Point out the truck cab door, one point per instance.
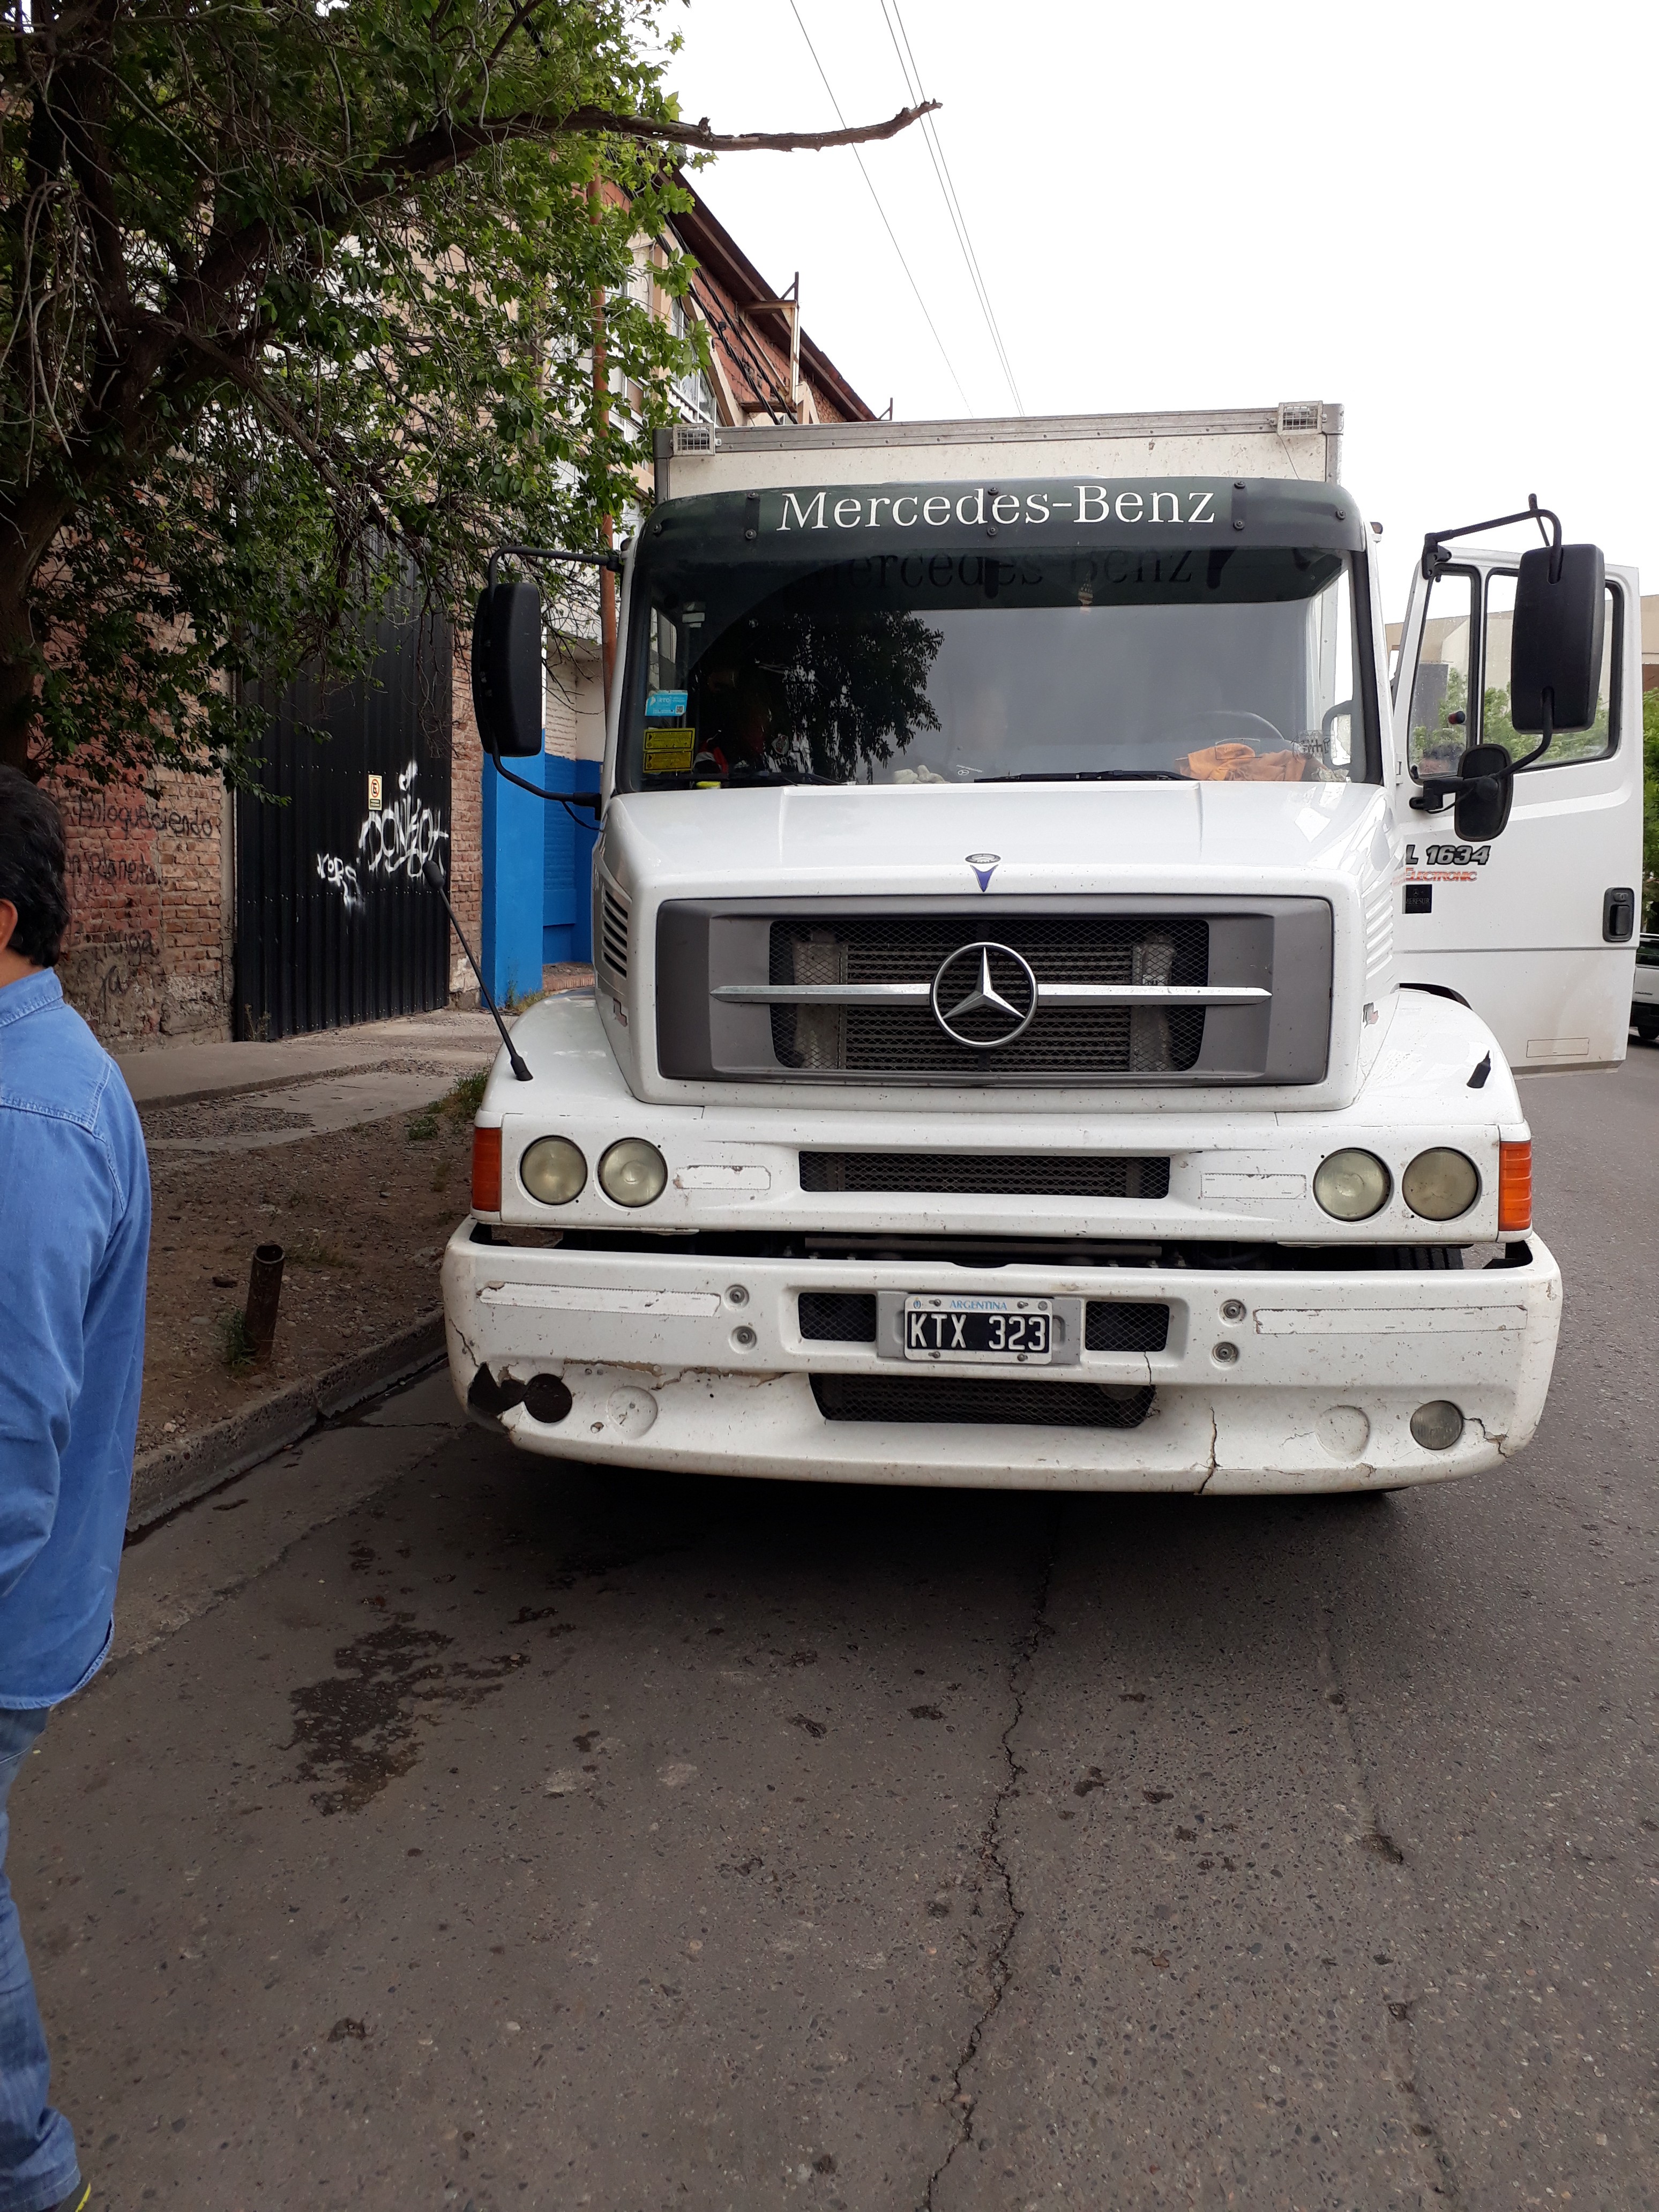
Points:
(1535, 929)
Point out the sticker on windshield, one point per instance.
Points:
(665, 706)
(668, 751)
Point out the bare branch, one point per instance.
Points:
(448, 144)
(742, 142)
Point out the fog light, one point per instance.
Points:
(1440, 1185)
(553, 1170)
(633, 1172)
(547, 1399)
(1437, 1425)
(1352, 1185)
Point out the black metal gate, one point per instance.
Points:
(333, 922)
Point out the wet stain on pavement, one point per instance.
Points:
(358, 1729)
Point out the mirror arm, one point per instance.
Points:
(613, 561)
(1437, 790)
(1543, 745)
(568, 800)
(1434, 556)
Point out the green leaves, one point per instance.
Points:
(294, 298)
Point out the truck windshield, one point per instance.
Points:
(961, 666)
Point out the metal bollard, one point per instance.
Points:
(264, 1289)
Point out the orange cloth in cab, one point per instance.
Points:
(1237, 763)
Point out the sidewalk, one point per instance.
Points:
(350, 1148)
(453, 1039)
(167, 1074)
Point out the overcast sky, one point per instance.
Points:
(1442, 216)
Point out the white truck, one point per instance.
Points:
(1057, 996)
(1644, 1000)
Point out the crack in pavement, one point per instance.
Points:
(992, 1858)
(1374, 1839)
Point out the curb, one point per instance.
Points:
(170, 1475)
(465, 1059)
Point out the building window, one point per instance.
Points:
(693, 390)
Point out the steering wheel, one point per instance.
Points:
(1236, 714)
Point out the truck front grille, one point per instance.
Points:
(909, 948)
(986, 1174)
(979, 1402)
(1125, 1325)
(1111, 991)
(838, 1316)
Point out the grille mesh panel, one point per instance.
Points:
(613, 925)
(986, 1174)
(979, 1402)
(1125, 1325)
(908, 948)
(838, 1316)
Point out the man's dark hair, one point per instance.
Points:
(32, 868)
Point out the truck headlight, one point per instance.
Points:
(1440, 1184)
(1352, 1185)
(553, 1170)
(633, 1173)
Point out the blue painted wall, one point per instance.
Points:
(567, 865)
(538, 874)
(513, 863)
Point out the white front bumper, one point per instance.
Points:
(1329, 1368)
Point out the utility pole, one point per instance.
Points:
(601, 427)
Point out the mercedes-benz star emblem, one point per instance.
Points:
(984, 866)
(984, 995)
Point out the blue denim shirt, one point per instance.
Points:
(74, 1246)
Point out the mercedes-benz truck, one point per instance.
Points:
(1060, 982)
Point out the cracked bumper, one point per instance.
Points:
(1325, 1372)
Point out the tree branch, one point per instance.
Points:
(448, 144)
(745, 142)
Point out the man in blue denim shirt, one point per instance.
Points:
(74, 1245)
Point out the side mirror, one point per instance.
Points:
(1555, 646)
(506, 669)
(1486, 792)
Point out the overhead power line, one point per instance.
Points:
(859, 157)
(911, 73)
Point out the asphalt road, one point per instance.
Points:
(451, 1831)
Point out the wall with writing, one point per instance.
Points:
(148, 949)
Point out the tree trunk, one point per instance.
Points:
(17, 679)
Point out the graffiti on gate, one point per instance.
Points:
(396, 840)
(399, 839)
(340, 876)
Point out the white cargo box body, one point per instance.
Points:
(1067, 1272)
(1301, 440)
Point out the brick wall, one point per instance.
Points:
(465, 821)
(148, 952)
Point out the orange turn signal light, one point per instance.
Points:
(486, 1170)
(1515, 1186)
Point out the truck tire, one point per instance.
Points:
(1645, 1021)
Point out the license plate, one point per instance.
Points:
(988, 1332)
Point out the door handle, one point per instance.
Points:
(1619, 916)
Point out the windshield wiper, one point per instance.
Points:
(778, 778)
(1090, 775)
